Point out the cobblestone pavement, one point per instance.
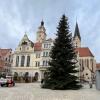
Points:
(32, 91)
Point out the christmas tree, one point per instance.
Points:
(63, 71)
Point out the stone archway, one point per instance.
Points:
(36, 76)
(15, 76)
(26, 77)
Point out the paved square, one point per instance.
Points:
(32, 91)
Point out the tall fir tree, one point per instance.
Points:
(63, 72)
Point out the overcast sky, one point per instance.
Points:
(20, 16)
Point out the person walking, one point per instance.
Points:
(90, 84)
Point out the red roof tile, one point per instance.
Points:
(3, 52)
(84, 52)
(37, 46)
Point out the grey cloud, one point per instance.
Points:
(18, 16)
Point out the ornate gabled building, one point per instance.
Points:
(32, 58)
(23, 57)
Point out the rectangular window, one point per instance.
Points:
(44, 45)
(46, 54)
(22, 60)
(9, 58)
(46, 63)
(43, 63)
(37, 63)
(43, 54)
(17, 61)
(49, 45)
(28, 61)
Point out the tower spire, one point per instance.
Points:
(77, 37)
(77, 32)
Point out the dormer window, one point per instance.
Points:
(24, 43)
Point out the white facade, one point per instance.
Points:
(23, 58)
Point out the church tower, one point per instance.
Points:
(77, 37)
(41, 33)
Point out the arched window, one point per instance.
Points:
(26, 74)
(85, 62)
(92, 64)
(22, 60)
(82, 64)
(28, 61)
(26, 77)
(17, 61)
(36, 74)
